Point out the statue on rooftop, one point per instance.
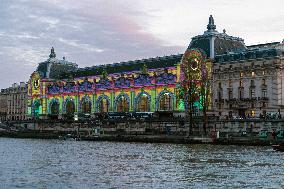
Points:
(211, 26)
(52, 53)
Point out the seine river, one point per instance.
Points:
(28, 163)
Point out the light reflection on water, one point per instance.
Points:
(27, 163)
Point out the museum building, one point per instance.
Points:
(240, 81)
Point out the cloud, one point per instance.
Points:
(84, 46)
(91, 32)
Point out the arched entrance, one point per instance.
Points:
(36, 106)
(70, 107)
(143, 103)
(103, 105)
(165, 102)
(86, 106)
(54, 109)
(122, 103)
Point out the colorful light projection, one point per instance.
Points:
(143, 91)
(195, 85)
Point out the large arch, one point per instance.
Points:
(122, 103)
(69, 106)
(143, 102)
(103, 104)
(54, 107)
(86, 105)
(36, 108)
(165, 101)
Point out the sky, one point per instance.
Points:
(92, 32)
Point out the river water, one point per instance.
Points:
(29, 163)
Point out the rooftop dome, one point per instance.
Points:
(53, 67)
(214, 43)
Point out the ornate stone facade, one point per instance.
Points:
(250, 83)
(13, 102)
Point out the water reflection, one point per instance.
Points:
(78, 164)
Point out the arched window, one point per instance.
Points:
(54, 108)
(70, 107)
(165, 102)
(86, 106)
(122, 104)
(103, 105)
(143, 103)
(36, 108)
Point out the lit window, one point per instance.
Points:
(252, 74)
(241, 84)
(252, 93)
(241, 74)
(253, 113)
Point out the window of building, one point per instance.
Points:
(253, 113)
(263, 93)
(252, 74)
(252, 93)
(220, 85)
(219, 95)
(241, 93)
(252, 83)
(230, 83)
(241, 74)
(241, 83)
(263, 82)
(230, 94)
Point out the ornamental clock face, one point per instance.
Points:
(36, 84)
(193, 63)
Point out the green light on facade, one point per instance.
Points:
(181, 105)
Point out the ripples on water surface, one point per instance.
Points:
(27, 163)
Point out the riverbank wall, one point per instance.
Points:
(238, 132)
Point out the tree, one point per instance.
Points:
(196, 82)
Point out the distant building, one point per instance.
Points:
(13, 102)
(3, 105)
(246, 81)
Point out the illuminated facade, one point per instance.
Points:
(215, 73)
(144, 90)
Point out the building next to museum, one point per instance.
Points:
(13, 102)
(244, 81)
